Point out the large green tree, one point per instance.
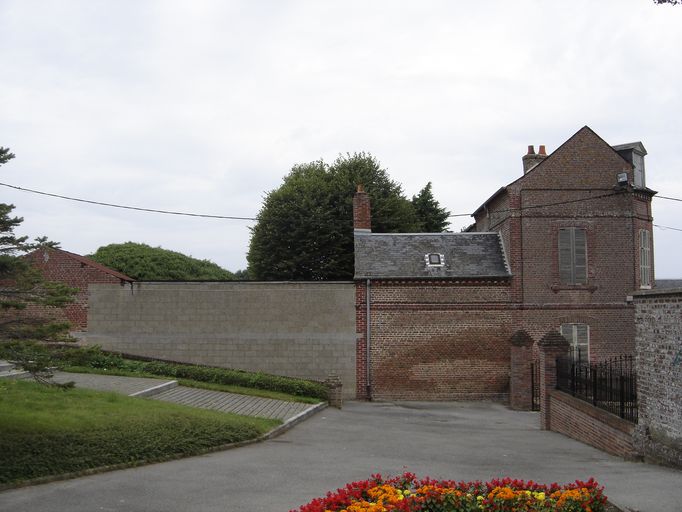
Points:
(143, 262)
(304, 229)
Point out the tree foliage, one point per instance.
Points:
(305, 227)
(432, 217)
(142, 262)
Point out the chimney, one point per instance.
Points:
(362, 220)
(532, 159)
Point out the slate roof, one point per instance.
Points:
(668, 283)
(402, 255)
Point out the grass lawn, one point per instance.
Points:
(46, 431)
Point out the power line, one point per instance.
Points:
(670, 198)
(667, 227)
(151, 210)
(231, 217)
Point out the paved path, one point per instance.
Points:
(231, 402)
(169, 391)
(461, 441)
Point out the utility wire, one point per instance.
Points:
(127, 207)
(667, 227)
(230, 217)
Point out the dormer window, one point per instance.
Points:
(638, 165)
(434, 260)
(634, 153)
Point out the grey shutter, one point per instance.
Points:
(565, 257)
(580, 256)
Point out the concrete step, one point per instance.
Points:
(6, 366)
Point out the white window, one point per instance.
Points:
(644, 259)
(578, 335)
(573, 256)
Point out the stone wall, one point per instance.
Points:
(284, 328)
(658, 344)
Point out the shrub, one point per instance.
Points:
(95, 357)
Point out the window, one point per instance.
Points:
(434, 259)
(638, 165)
(644, 259)
(578, 335)
(572, 256)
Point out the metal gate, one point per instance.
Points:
(535, 385)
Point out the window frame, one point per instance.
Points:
(574, 340)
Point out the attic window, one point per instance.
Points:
(434, 260)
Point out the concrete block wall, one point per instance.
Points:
(658, 345)
(297, 329)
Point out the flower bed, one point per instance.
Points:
(408, 494)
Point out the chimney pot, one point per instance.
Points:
(360, 188)
(542, 150)
(531, 150)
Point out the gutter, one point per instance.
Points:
(368, 376)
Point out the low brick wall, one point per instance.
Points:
(297, 329)
(596, 427)
(658, 343)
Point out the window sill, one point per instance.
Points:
(556, 288)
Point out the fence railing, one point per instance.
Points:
(610, 385)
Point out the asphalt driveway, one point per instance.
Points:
(461, 441)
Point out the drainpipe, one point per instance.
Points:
(367, 341)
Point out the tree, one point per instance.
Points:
(305, 227)
(140, 261)
(433, 218)
(22, 286)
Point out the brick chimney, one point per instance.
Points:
(532, 159)
(362, 219)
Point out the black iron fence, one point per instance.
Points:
(610, 385)
(535, 385)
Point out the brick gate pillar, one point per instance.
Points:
(520, 379)
(551, 346)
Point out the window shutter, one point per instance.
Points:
(644, 258)
(573, 256)
(580, 256)
(565, 257)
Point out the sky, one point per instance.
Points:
(204, 106)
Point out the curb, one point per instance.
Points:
(155, 390)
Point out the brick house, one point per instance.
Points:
(78, 272)
(560, 248)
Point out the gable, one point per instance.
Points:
(584, 161)
(405, 255)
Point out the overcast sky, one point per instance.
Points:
(204, 106)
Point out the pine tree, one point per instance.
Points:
(433, 218)
(21, 285)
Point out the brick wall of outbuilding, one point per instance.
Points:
(444, 340)
(58, 265)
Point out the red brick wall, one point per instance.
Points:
(436, 341)
(56, 265)
(584, 167)
(579, 420)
